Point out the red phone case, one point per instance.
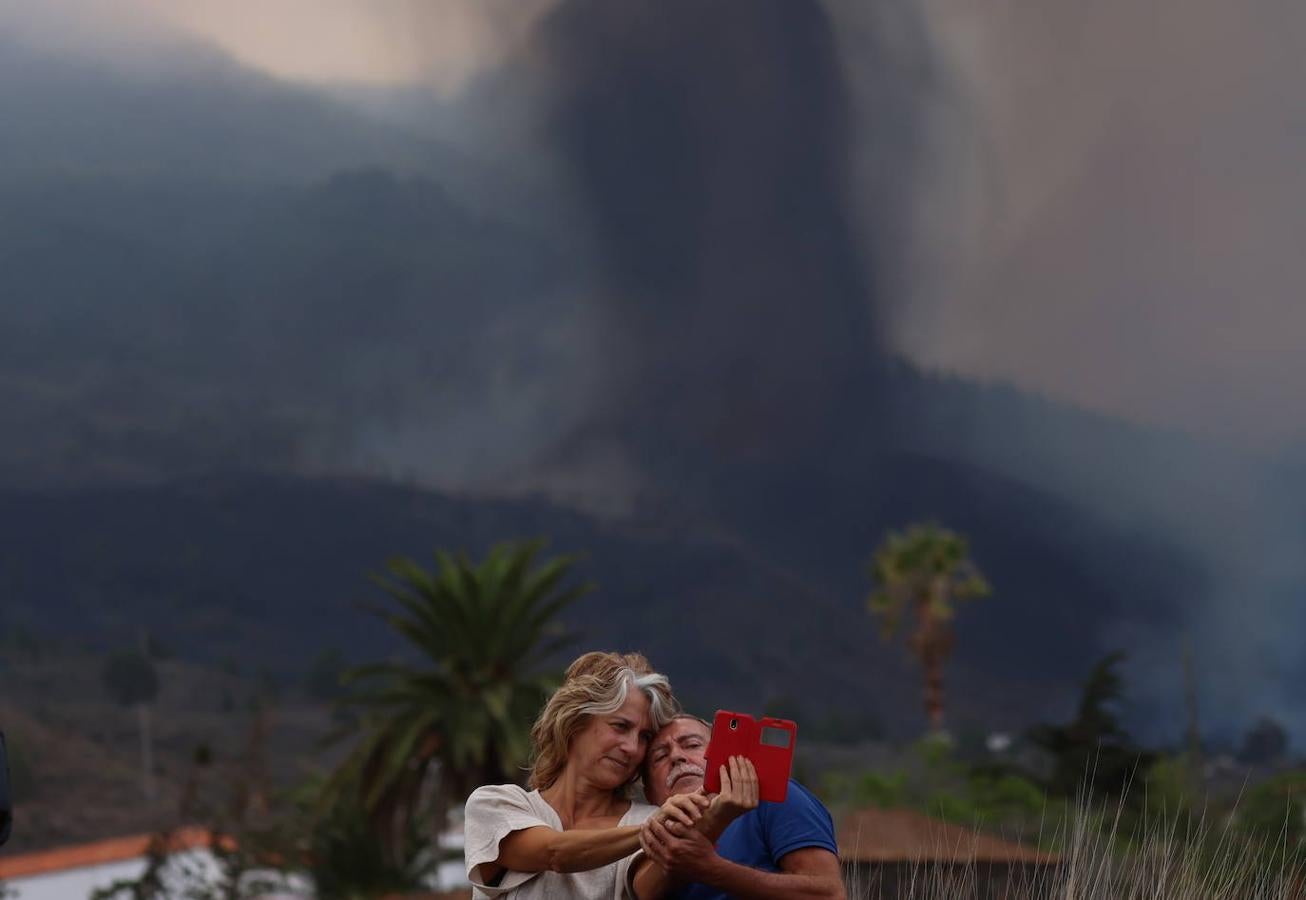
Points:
(739, 734)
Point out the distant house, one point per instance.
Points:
(883, 851)
(74, 871)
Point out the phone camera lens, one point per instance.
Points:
(734, 724)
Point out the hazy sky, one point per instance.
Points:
(439, 42)
(1127, 206)
(377, 41)
(1112, 209)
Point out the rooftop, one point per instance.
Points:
(97, 853)
(904, 835)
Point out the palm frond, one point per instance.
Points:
(483, 633)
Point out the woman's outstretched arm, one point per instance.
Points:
(545, 849)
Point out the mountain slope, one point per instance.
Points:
(270, 570)
(197, 114)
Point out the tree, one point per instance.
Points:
(155, 648)
(131, 680)
(1093, 751)
(1266, 742)
(1275, 810)
(925, 571)
(345, 856)
(484, 634)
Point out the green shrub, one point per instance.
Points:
(1275, 810)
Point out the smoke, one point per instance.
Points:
(1125, 192)
(1233, 518)
(1110, 216)
(712, 147)
(779, 204)
(1137, 167)
(1082, 199)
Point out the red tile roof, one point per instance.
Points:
(98, 853)
(903, 835)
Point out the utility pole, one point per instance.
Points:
(146, 729)
(1194, 731)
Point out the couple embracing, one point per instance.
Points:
(582, 829)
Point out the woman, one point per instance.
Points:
(572, 835)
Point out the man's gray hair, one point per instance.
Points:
(688, 715)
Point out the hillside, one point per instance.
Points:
(182, 109)
(269, 571)
(75, 753)
(158, 328)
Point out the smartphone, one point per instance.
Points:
(768, 742)
(6, 803)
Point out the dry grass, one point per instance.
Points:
(1179, 857)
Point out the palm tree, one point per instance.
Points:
(926, 571)
(460, 716)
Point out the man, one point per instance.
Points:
(776, 850)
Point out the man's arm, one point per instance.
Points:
(650, 881)
(810, 873)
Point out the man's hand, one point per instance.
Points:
(739, 793)
(680, 851)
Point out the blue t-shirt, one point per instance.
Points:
(758, 839)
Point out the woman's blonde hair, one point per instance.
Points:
(596, 684)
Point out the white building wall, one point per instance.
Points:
(77, 884)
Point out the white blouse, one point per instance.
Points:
(495, 811)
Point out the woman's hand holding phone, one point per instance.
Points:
(710, 814)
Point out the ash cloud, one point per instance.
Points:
(752, 184)
(755, 186)
(1119, 211)
(712, 147)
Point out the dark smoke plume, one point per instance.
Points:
(711, 141)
